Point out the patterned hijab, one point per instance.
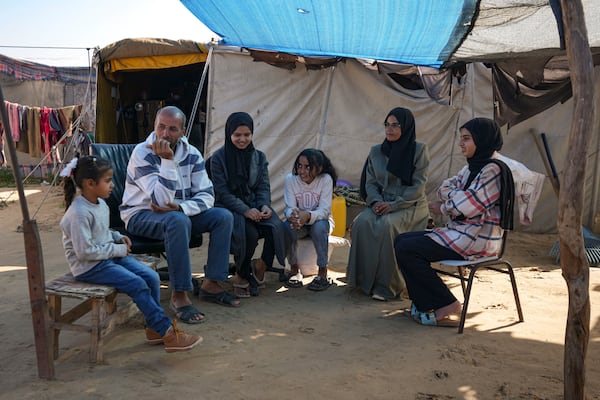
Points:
(401, 153)
(236, 160)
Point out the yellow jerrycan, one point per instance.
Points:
(338, 211)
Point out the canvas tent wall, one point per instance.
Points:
(341, 110)
(136, 77)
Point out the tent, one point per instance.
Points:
(339, 104)
(456, 31)
(138, 76)
(337, 100)
(341, 110)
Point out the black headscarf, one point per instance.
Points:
(401, 153)
(488, 139)
(238, 161)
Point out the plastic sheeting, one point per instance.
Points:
(423, 32)
(420, 32)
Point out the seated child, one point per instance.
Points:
(99, 255)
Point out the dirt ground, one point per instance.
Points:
(338, 344)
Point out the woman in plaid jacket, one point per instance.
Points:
(479, 204)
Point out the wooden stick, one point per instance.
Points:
(35, 264)
(573, 260)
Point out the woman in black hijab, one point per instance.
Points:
(479, 204)
(240, 177)
(394, 186)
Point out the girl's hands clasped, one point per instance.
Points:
(299, 218)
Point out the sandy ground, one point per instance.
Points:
(284, 344)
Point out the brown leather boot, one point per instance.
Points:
(177, 340)
(153, 337)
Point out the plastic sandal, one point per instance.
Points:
(186, 313)
(428, 318)
(294, 281)
(223, 298)
(261, 283)
(414, 313)
(319, 284)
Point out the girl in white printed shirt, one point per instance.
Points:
(308, 192)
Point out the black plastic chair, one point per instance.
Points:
(495, 263)
(119, 155)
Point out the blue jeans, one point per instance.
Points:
(319, 233)
(176, 229)
(138, 281)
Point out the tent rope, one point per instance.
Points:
(199, 91)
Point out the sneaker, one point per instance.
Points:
(177, 340)
(153, 337)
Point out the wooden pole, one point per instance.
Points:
(573, 261)
(35, 264)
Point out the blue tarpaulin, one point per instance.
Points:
(413, 32)
(419, 32)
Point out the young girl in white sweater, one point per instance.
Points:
(308, 193)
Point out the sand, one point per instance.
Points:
(284, 344)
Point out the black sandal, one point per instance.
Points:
(319, 284)
(224, 298)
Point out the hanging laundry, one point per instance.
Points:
(36, 130)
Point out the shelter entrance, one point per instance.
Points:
(137, 95)
(136, 77)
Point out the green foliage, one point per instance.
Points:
(7, 178)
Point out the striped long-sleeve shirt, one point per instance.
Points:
(478, 234)
(151, 179)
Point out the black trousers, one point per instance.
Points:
(414, 253)
(254, 232)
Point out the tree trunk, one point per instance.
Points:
(574, 264)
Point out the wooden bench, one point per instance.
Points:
(98, 300)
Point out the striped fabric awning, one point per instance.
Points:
(27, 71)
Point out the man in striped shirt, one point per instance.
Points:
(168, 196)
